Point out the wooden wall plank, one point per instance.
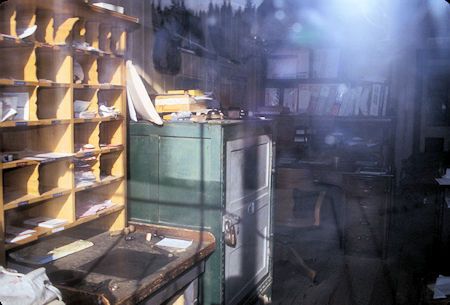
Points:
(211, 75)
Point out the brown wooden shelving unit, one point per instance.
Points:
(42, 65)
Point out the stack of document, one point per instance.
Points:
(105, 111)
(91, 207)
(45, 222)
(14, 234)
(441, 288)
(179, 100)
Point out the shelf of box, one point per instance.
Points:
(129, 19)
(9, 41)
(100, 214)
(85, 86)
(24, 241)
(26, 97)
(63, 24)
(46, 84)
(40, 83)
(8, 19)
(86, 94)
(35, 123)
(118, 118)
(54, 65)
(54, 103)
(99, 86)
(18, 163)
(42, 64)
(68, 7)
(18, 62)
(110, 164)
(92, 161)
(30, 199)
(104, 181)
(104, 119)
(42, 232)
(92, 27)
(89, 65)
(63, 7)
(86, 153)
(42, 181)
(111, 132)
(95, 53)
(55, 174)
(45, 26)
(111, 97)
(25, 17)
(20, 183)
(110, 71)
(104, 37)
(47, 138)
(111, 87)
(107, 192)
(17, 82)
(92, 152)
(86, 132)
(52, 46)
(111, 149)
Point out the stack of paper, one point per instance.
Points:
(45, 222)
(15, 106)
(105, 111)
(91, 207)
(48, 157)
(14, 234)
(178, 102)
(441, 288)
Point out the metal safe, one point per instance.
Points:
(215, 177)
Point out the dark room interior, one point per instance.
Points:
(225, 152)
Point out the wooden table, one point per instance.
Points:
(129, 269)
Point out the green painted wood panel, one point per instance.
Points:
(143, 179)
(177, 174)
(188, 188)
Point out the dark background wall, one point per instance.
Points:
(224, 48)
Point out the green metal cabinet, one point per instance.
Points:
(215, 177)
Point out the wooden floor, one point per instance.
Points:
(344, 279)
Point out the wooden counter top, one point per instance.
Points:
(119, 270)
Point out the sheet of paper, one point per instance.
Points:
(443, 181)
(17, 238)
(174, 243)
(140, 98)
(18, 230)
(39, 259)
(442, 286)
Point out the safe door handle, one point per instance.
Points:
(230, 234)
(251, 208)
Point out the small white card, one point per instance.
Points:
(174, 243)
